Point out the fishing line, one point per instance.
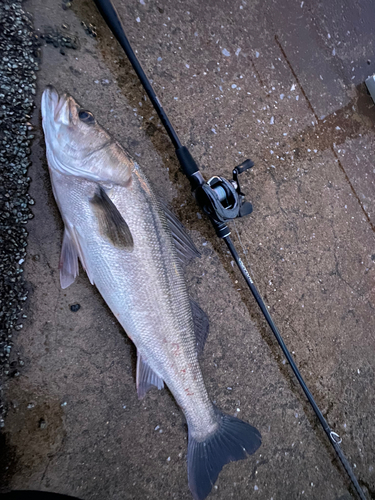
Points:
(222, 201)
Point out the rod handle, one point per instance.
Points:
(187, 162)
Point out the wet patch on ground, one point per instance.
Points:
(39, 423)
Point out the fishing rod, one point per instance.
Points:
(222, 201)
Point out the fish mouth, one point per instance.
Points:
(55, 107)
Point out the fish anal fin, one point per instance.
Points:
(68, 261)
(111, 223)
(146, 378)
(201, 326)
(185, 247)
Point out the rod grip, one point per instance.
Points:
(187, 162)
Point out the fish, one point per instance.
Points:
(134, 250)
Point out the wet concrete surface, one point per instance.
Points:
(280, 83)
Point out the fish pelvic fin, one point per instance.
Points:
(111, 223)
(146, 377)
(233, 440)
(71, 251)
(68, 261)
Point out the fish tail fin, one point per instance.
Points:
(233, 440)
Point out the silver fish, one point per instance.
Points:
(131, 248)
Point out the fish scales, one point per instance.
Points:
(163, 333)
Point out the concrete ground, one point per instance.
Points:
(281, 83)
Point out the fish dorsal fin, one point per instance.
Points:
(111, 223)
(146, 377)
(185, 247)
(68, 261)
(201, 326)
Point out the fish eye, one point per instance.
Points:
(86, 117)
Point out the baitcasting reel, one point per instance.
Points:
(229, 194)
(220, 199)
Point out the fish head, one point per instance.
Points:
(76, 144)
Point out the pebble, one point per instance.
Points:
(90, 29)
(19, 48)
(42, 424)
(64, 40)
(66, 4)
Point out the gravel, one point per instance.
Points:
(60, 39)
(18, 64)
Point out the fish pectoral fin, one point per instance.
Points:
(111, 223)
(146, 377)
(185, 247)
(68, 261)
(201, 326)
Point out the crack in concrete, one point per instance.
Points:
(295, 76)
(352, 189)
